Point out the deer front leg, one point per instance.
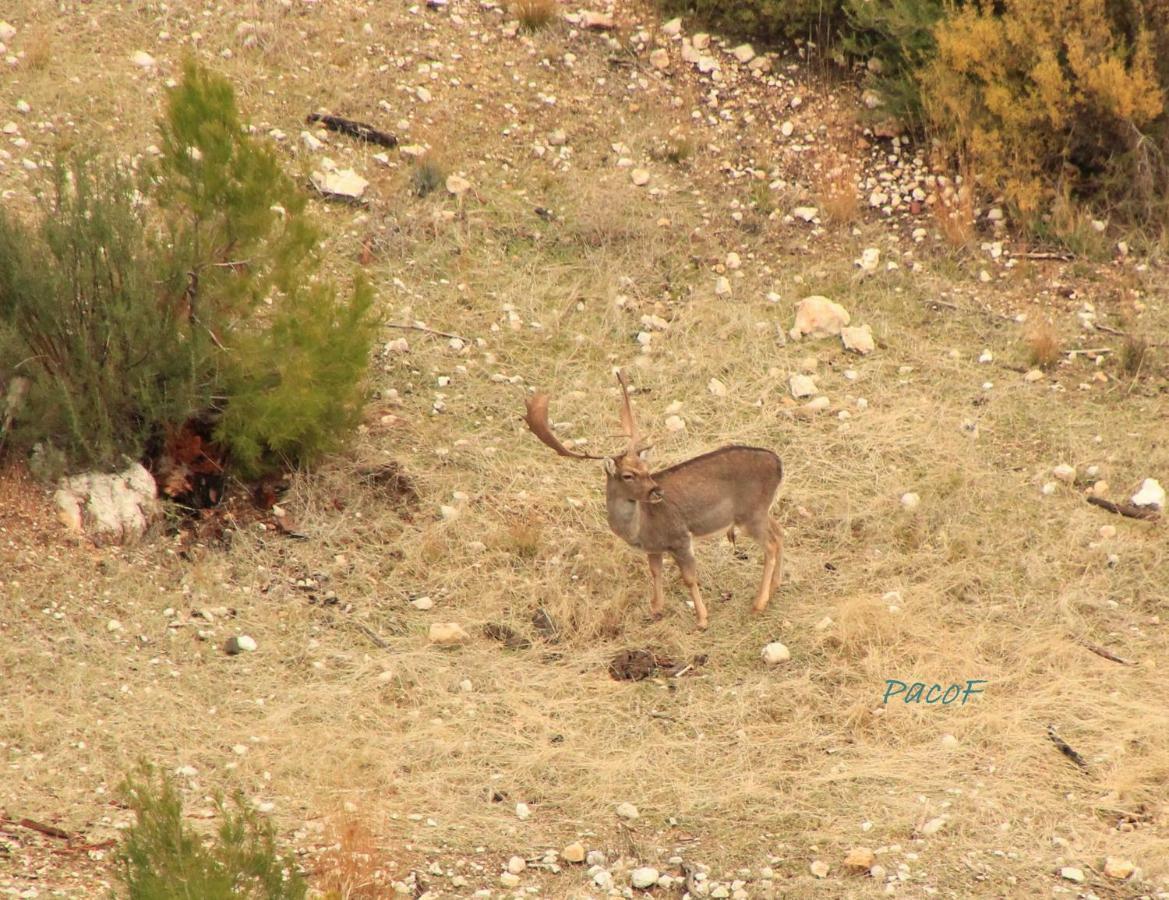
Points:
(658, 601)
(689, 571)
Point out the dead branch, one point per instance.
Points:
(445, 334)
(1104, 652)
(50, 830)
(1065, 748)
(1041, 254)
(1148, 514)
(359, 130)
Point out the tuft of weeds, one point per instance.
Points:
(1133, 355)
(350, 870)
(534, 14)
(836, 192)
(954, 215)
(675, 149)
(427, 176)
(1043, 344)
(162, 858)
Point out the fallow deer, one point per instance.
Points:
(662, 512)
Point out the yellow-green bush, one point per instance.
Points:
(1051, 100)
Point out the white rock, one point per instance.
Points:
(639, 177)
(701, 40)
(949, 742)
(675, 423)
(716, 387)
(1034, 375)
(644, 877)
(858, 339)
(733, 260)
(1150, 494)
(803, 386)
(910, 500)
(819, 317)
(819, 868)
(870, 259)
(596, 21)
(1065, 473)
(23, 108)
(522, 811)
(339, 183)
(7, 32)
(933, 826)
(446, 634)
(113, 625)
(1071, 873)
(1107, 532)
(986, 357)
(660, 58)
(310, 141)
(722, 286)
(509, 879)
(422, 603)
(672, 28)
(806, 213)
(457, 185)
(1120, 869)
(817, 404)
(744, 53)
(1048, 488)
(115, 507)
(786, 129)
(627, 811)
(775, 653)
(142, 59)
(516, 864)
(240, 644)
(573, 853)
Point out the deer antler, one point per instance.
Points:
(537, 419)
(628, 423)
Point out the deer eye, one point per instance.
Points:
(627, 477)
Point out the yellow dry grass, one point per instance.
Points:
(346, 714)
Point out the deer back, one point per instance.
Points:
(718, 489)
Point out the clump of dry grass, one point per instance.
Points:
(954, 214)
(534, 14)
(352, 867)
(1133, 354)
(835, 189)
(1043, 344)
(427, 176)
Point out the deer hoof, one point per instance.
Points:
(703, 625)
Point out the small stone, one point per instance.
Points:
(522, 812)
(672, 28)
(644, 877)
(627, 811)
(858, 339)
(595, 858)
(142, 59)
(596, 21)
(716, 387)
(933, 826)
(1114, 867)
(819, 869)
(239, 644)
(910, 501)
(744, 53)
(1065, 473)
(877, 873)
(803, 386)
(310, 141)
(733, 260)
(675, 423)
(1071, 873)
(573, 853)
(986, 357)
(819, 317)
(113, 625)
(445, 634)
(660, 58)
(949, 742)
(516, 864)
(816, 404)
(339, 183)
(700, 41)
(1099, 489)
(806, 213)
(1108, 532)
(860, 858)
(775, 653)
(422, 603)
(7, 31)
(1033, 376)
(722, 286)
(1048, 489)
(786, 129)
(1150, 494)
(870, 259)
(640, 177)
(23, 108)
(509, 879)
(457, 185)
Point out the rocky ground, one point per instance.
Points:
(614, 189)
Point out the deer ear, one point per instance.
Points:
(610, 466)
(643, 455)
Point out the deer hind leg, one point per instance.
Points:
(767, 532)
(689, 570)
(657, 602)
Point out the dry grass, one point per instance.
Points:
(345, 702)
(534, 14)
(836, 192)
(1044, 346)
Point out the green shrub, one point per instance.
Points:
(1057, 101)
(162, 858)
(135, 305)
(763, 21)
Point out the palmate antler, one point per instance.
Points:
(537, 419)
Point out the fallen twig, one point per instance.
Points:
(445, 334)
(50, 830)
(1065, 748)
(1105, 652)
(1041, 254)
(372, 635)
(1147, 513)
(359, 130)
